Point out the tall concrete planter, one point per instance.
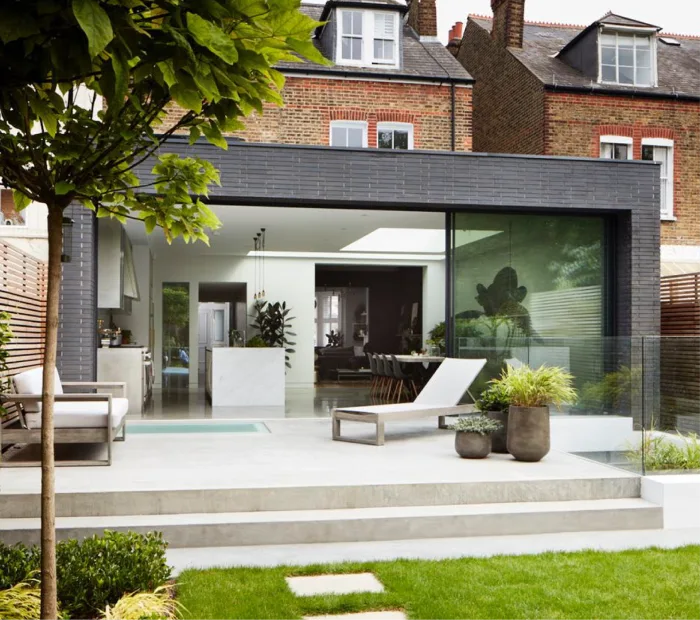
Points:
(528, 433)
(499, 438)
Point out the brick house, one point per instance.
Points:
(618, 88)
(392, 83)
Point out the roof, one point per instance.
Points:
(678, 67)
(422, 60)
(618, 20)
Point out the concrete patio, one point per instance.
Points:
(293, 485)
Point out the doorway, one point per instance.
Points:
(222, 317)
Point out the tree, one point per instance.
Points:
(83, 85)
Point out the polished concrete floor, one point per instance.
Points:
(311, 402)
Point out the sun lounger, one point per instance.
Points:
(439, 398)
(78, 418)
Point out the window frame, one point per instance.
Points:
(626, 140)
(635, 33)
(368, 24)
(384, 126)
(666, 143)
(347, 124)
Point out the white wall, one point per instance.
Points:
(31, 238)
(286, 279)
(138, 321)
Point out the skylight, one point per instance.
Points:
(413, 240)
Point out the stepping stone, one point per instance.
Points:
(334, 584)
(365, 615)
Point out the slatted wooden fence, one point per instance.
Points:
(23, 281)
(680, 352)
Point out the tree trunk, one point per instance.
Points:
(49, 604)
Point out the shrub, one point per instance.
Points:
(98, 571)
(476, 424)
(21, 602)
(93, 573)
(145, 606)
(17, 564)
(540, 387)
(493, 398)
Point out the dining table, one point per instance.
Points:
(420, 359)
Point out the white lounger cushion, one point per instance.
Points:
(444, 389)
(83, 414)
(31, 382)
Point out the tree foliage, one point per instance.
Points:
(85, 83)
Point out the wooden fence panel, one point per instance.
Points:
(23, 282)
(680, 352)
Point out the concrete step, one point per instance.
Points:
(359, 524)
(164, 502)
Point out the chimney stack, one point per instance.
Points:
(422, 17)
(455, 38)
(508, 22)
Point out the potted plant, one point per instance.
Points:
(473, 436)
(530, 392)
(273, 323)
(494, 403)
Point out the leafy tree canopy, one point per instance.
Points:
(84, 83)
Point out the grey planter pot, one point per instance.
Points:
(499, 439)
(472, 445)
(528, 433)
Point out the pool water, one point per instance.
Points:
(201, 426)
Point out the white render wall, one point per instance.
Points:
(292, 280)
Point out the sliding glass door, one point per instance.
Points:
(529, 289)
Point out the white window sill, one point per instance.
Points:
(668, 218)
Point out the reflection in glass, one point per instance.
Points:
(176, 332)
(530, 289)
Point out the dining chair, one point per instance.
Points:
(401, 381)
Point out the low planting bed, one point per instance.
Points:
(94, 575)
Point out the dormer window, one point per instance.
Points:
(368, 38)
(627, 59)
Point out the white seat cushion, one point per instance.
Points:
(31, 382)
(83, 414)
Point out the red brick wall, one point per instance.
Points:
(575, 122)
(311, 104)
(508, 100)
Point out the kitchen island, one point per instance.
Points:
(245, 376)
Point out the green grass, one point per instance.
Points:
(651, 583)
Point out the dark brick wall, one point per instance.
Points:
(508, 101)
(77, 329)
(324, 177)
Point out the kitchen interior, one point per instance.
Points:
(125, 313)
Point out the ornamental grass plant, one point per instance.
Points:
(538, 387)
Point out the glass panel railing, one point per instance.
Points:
(605, 423)
(671, 412)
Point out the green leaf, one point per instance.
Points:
(187, 98)
(121, 82)
(16, 23)
(21, 201)
(95, 23)
(63, 187)
(210, 36)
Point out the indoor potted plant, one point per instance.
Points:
(494, 403)
(530, 392)
(473, 436)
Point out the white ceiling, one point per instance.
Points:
(290, 229)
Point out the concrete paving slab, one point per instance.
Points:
(318, 585)
(417, 453)
(426, 549)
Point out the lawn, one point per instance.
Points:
(652, 583)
